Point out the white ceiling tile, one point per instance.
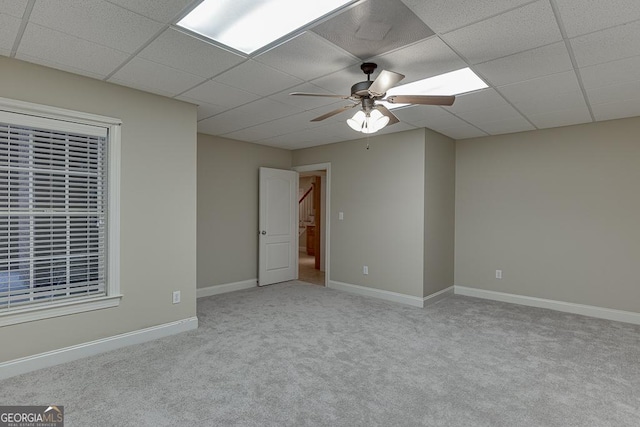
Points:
(555, 92)
(13, 8)
(299, 140)
(339, 130)
(60, 50)
(141, 87)
(428, 116)
(510, 125)
(97, 21)
(543, 86)
(9, 26)
(607, 45)
(307, 56)
(462, 131)
(493, 114)
(395, 128)
(58, 66)
(322, 135)
(445, 15)
(221, 124)
(423, 116)
(617, 110)
(302, 145)
(246, 116)
(205, 110)
(290, 140)
(224, 96)
(341, 81)
(306, 102)
(554, 102)
(252, 134)
(424, 59)
(621, 71)
(154, 77)
(542, 61)
(264, 110)
(257, 78)
(524, 28)
(184, 52)
(164, 11)
(557, 118)
(485, 98)
(614, 92)
(585, 16)
(294, 123)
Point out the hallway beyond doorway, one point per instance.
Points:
(307, 271)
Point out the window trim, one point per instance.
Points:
(113, 297)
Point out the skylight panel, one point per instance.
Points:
(453, 83)
(248, 25)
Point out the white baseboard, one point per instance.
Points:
(377, 293)
(437, 296)
(567, 307)
(68, 354)
(227, 287)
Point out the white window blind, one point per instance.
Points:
(53, 210)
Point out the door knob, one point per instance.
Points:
(264, 232)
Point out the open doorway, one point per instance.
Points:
(313, 224)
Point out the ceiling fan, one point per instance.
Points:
(373, 117)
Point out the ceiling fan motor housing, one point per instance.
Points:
(361, 88)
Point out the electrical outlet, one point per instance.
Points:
(176, 297)
(498, 274)
(365, 269)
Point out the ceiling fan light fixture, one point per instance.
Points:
(370, 122)
(356, 122)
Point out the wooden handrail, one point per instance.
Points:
(305, 194)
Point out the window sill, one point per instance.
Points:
(30, 314)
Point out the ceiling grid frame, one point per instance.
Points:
(572, 56)
(595, 45)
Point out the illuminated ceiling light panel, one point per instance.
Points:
(248, 25)
(453, 83)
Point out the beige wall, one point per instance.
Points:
(158, 206)
(439, 209)
(557, 210)
(228, 207)
(381, 192)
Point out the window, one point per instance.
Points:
(58, 212)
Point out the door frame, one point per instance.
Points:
(327, 213)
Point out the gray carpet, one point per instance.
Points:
(301, 355)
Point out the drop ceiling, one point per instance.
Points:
(548, 63)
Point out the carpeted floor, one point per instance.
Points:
(295, 354)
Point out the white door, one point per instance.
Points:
(278, 247)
